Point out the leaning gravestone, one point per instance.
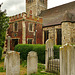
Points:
(13, 63)
(32, 61)
(48, 53)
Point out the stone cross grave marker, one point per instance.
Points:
(48, 52)
(8, 45)
(8, 49)
(32, 62)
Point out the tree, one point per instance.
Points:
(3, 26)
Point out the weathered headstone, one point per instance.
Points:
(48, 52)
(13, 63)
(8, 44)
(32, 62)
(67, 60)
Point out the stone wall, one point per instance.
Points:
(68, 33)
(73, 33)
(52, 32)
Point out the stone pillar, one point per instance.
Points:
(13, 63)
(8, 45)
(32, 62)
(43, 37)
(55, 37)
(48, 53)
(23, 33)
(67, 60)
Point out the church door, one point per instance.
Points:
(14, 43)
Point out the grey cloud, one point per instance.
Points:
(19, 4)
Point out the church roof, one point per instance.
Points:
(59, 14)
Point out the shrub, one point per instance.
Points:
(0, 53)
(25, 48)
(40, 49)
(1, 69)
(56, 51)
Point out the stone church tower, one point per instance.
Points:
(36, 6)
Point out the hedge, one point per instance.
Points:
(25, 48)
(56, 51)
(0, 53)
(40, 49)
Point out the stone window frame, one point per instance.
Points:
(14, 27)
(29, 27)
(28, 39)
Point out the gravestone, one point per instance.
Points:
(67, 60)
(48, 53)
(13, 63)
(32, 62)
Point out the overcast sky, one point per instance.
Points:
(17, 6)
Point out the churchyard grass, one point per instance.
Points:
(23, 69)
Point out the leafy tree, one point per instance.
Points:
(3, 26)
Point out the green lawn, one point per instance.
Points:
(23, 69)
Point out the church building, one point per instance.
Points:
(38, 24)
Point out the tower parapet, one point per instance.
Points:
(25, 16)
